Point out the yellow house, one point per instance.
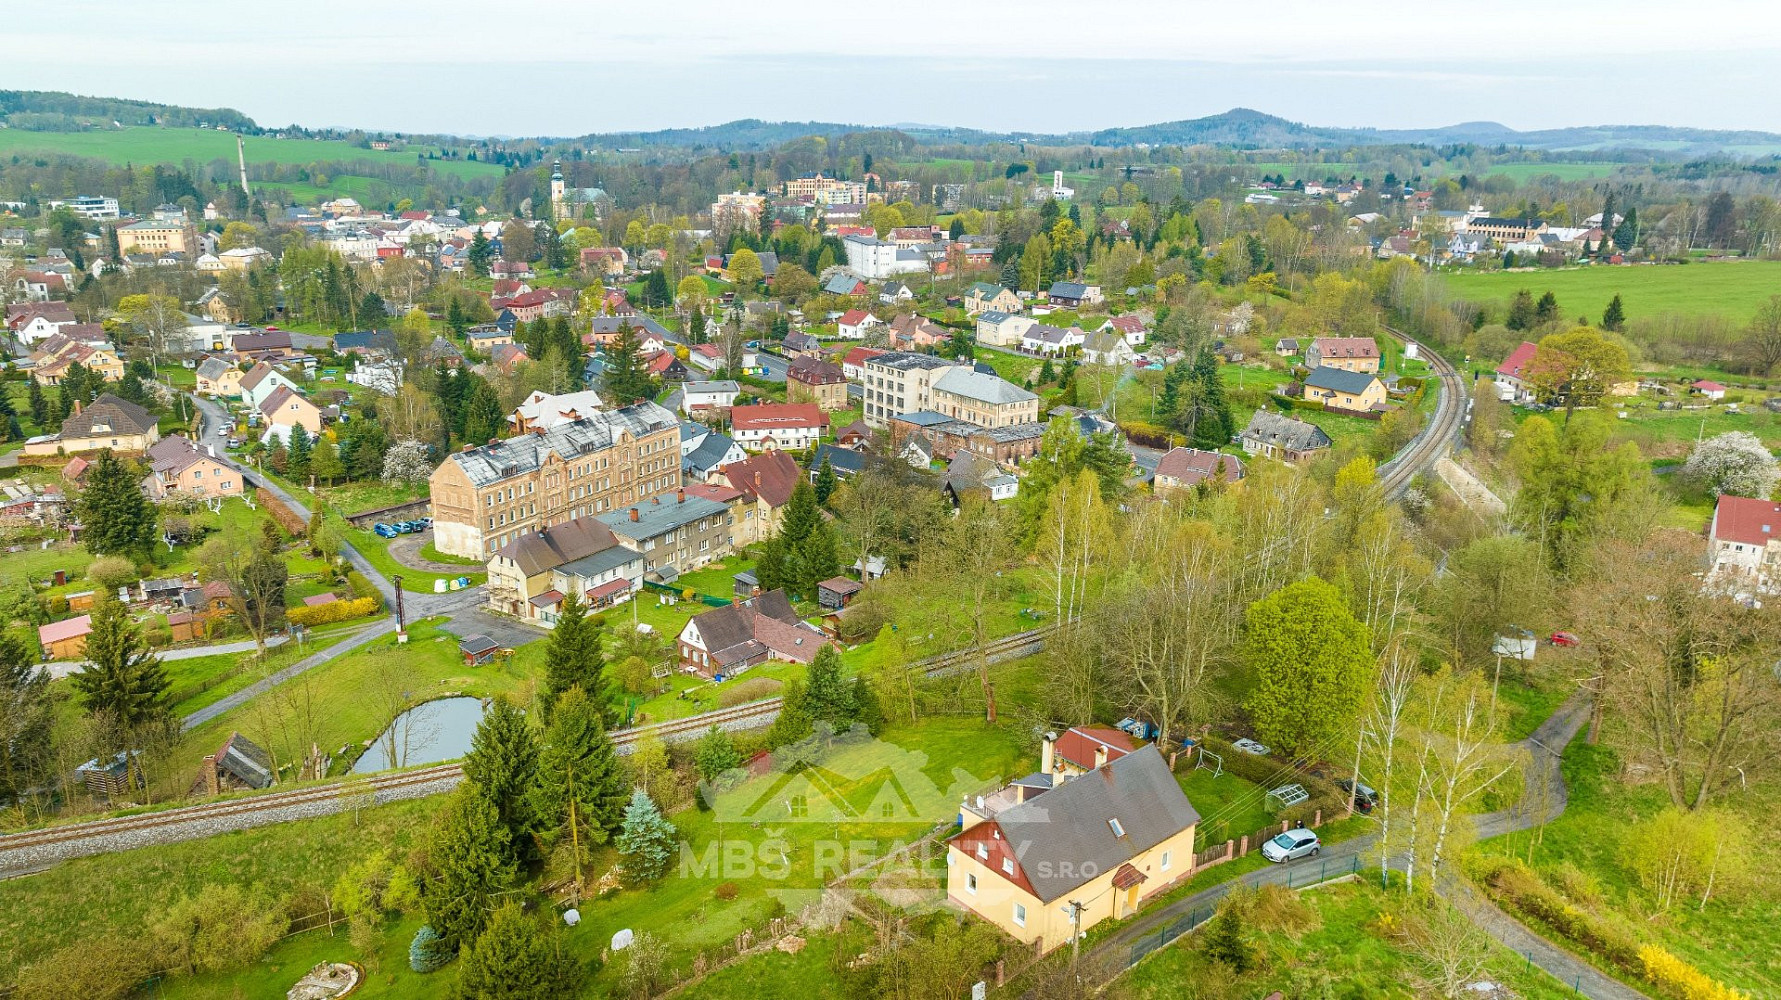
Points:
(1053, 855)
(217, 377)
(1340, 389)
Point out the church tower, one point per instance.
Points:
(557, 198)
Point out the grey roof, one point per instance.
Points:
(1338, 379)
(504, 459)
(708, 454)
(1068, 290)
(366, 340)
(121, 415)
(845, 461)
(1104, 342)
(639, 323)
(714, 385)
(906, 360)
(602, 561)
(659, 515)
(923, 418)
(213, 368)
(841, 284)
(1066, 831)
(249, 764)
(1285, 432)
(1015, 432)
(991, 389)
(992, 316)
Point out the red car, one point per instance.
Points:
(1565, 639)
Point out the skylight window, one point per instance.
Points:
(1118, 831)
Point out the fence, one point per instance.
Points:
(706, 599)
(1231, 850)
(1297, 877)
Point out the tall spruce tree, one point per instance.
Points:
(1614, 317)
(27, 720)
(483, 419)
(472, 852)
(825, 481)
(518, 957)
(40, 411)
(573, 656)
(502, 767)
(298, 452)
(123, 681)
(827, 696)
(579, 765)
(116, 517)
(646, 837)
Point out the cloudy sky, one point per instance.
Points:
(567, 67)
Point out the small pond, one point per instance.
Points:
(425, 734)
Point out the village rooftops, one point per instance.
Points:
(1339, 380)
(991, 389)
(660, 514)
(908, 360)
(537, 551)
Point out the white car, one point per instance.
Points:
(1251, 746)
(1291, 844)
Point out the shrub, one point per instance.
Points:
(287, 518)
(726, 891)
(112, 572)
(428, 952)
(223, 927)
(363, 588)
(94, 969)
(1681, 980)
(338, 611)
(1521, 888)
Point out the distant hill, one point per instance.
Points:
(54, 111)
(752, 133)
(1243, 127)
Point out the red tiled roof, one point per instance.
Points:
(1743, 519)
(1347, 347)
(1127, 324)
(858, 355)
(714, 491)
(1078, 746)
(996, 849)
(771, 476)
(71, 628)
(610, 588)
(1706, 386)
(1191, 465)
(1125, 876)
(1517, 361)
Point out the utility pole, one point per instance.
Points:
(1075, 933)
(401, 621)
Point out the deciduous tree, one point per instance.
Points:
(1310, 659)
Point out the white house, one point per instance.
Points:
(1107, 347)
(260, 382)
(720, 394)
(380, 376)
(1743, 544)
(853, 324)
(1049, 340)
(1130, 327)
(876, 260)
(778, 426)
(999, 329)
(1512, 382)
(895, 292)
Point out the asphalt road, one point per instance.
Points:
(775, 365)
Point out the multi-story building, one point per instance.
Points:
(171, 234)
(737, 209)
(1744, 543)
(530, 575)
(898, 382)
(778, 426)
(1355, 354)
(89, 206)
(485, 496)
(812, 380)
(177, 467)
(1506, 230)
(675, 532)
(825, 190)
(985, 400)
(875, 259)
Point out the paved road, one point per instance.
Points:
(775, 365)
(1545, 800)
(245, 646)
(310, 662)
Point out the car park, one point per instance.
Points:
(1292, 844)
(1251, 747)
(1365, 799)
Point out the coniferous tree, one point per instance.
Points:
(502, 767)
(1226, 941)
(825, 481)
(517, 957)
(481, 253)
(472, 852)
(40, 411)
(483, 419)
(116, 517)
(573, 655)
(827, 696)
(1546, 310)
(1521, 309)
(27, 720)
(297, 452)
(1614, 317)
(1626, 235)
(647, 838)
(626, 378)
(123, 681)
(578, 764)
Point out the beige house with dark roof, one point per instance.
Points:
(107, 422)
(731, 639)
(178, 467)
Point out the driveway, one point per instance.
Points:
(506, 631)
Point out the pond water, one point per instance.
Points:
(425, 734)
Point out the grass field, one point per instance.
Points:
(1733, 289)
(143, 145)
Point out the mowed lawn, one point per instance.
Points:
(1732, 289)
(145, 144)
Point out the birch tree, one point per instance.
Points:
(1462, 755)
(1075, 534)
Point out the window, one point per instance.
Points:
(983, 850)
(1118, 831)
(971, 883)
(1020, 915)
(1164, 864)
(1008, 866)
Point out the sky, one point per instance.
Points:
(535, 67)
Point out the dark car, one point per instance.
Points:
(1365, 799)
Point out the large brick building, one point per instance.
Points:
(484, 497)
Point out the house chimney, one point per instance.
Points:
(77, 407)
(211, 784)
(633, 513)
(1047, 753)
(757, 478)
(1101, 755)
(680, 495)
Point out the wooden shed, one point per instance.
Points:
(837, 592)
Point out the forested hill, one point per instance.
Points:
(54, 111)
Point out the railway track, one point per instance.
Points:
(1434, 439)
(32, 850)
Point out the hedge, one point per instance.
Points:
(1520, 888)
(287, 518)
(1147, 434)
(1297, 402)
(335, 611)
(362, 587)
(1679, 979)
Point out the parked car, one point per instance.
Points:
(425, 522)
(385, 530)
(1251, 746)
(1292, 844)
(1365, 799)
(1565, 639)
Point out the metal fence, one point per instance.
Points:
(1297, 877)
